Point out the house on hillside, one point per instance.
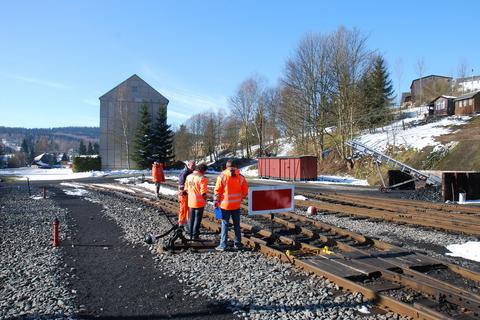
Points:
(428, 88)
(406, 100)
(468, 103)
(468, 84)
(119, 115)
(45, 161)
(443, 105)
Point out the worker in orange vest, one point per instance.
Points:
(183, 195)
(230, 189)
(197, 189)
(157, 176)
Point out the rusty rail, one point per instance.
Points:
(355, 258)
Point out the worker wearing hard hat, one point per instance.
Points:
(157, 176)
(183, 195)
(230, 188)
(197, 189)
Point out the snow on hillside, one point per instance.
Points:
(410, 133)
(36, 174)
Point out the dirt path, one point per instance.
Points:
(115, 279)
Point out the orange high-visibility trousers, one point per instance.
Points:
(183, 213)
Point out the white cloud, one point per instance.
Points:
(178, 114)
(41, 82)
(182, 97)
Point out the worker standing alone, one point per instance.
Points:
(197, 188)
(183, 195)
(230, 188)
(157, 176)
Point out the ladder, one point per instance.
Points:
(361, 150)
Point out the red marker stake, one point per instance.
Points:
(56, 239)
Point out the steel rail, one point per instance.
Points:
(261, 238)
(431, 222)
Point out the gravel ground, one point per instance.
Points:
(254, 287)
(431, 242)
(31, 285)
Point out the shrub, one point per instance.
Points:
(85, 163)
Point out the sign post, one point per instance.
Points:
(270, 200)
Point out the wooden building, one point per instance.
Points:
(468, 103)
(427, 88)
(119, 115)
(443, 105)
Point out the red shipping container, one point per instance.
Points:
(288, 168)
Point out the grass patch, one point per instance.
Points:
(464, 157)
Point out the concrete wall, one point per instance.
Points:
(119, 113)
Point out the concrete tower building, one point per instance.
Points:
(119, 114)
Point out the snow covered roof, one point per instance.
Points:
(442, 96)
(39, 157)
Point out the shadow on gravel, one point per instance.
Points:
(115, 279)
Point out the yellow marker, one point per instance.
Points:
(288, 253)
(326, 250)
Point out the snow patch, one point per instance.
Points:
(363, 309)
(408, 134)
(339, 180)
(249, 172)
(163, 190)
(469, 250)
(300, 197)
(75, 192)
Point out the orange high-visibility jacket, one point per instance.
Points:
(157, 173)
(230, 190)
(197, 189)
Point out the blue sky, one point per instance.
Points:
(58, 57)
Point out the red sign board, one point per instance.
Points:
(270, 199)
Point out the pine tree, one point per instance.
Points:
(96, 148)
(90, 148)
(162, 138)
(82, 149)
(31, 156)
(25, 147)
(378, 94)
(142, 153)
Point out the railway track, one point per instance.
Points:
(442, 217)
(398, 280)
(445, 217)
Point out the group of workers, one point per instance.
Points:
(230, 189)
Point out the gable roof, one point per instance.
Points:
(430, 76)
(134, 89)
(443, 96)
(468, 95)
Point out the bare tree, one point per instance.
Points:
(245, 106)
(350, 61)
(399, 74)
(462, 74)
(182, 143)
(307, 81)
(421, 72)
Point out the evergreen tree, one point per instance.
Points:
(82, 149)
(31, 156)
(142, 153)
(90, 148)
(162, 138)
(378, 94)
(96, 148)
(25, 146)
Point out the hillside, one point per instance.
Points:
(48, 139)
(448, 143)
